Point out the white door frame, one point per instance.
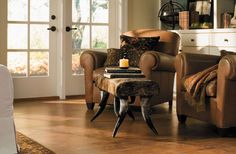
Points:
(3, 25)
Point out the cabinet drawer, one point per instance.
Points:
(195, 39)
(223, 39)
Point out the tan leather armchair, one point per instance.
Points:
(158, 66)
(220, 110)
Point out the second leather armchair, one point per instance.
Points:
(156, 65)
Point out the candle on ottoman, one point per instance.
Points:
(124, 63)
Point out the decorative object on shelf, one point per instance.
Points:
(184, 20)
(194, 19)
(225, 20)
(201, 14)
(233, 20)
(169, 13)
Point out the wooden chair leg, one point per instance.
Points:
(182, 118)
(223, 132)
(90, 106)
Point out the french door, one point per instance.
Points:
(28, 44)
(41, 42)
(90, 24)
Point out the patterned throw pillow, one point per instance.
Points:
(140, 43)
(132, 54)
(133, 47)
(113, 57)
(136, 46)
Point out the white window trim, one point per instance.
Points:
(122, 18)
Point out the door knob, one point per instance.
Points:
(69, 28)
(53, 28)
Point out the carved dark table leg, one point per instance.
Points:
(146, 112)
(124, 105)
(102, 104)
(117, 107)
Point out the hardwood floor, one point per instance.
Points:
(65, 127)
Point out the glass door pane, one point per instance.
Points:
(39, 10)
(39, 64)
(17, 10)
(80, 11)
(19, 42)
(81, 37)
(100, 11)
(17, 63)
(99, 37)
(39, 36)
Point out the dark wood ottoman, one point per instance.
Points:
(122, 88)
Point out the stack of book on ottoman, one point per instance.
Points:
(116, 72)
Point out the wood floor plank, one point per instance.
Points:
(65, 127)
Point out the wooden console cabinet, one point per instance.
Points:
(209, 41)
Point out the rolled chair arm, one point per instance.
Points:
(92, 59)
(157, 61)
(227, 67)
(226, 87)
(189, 63)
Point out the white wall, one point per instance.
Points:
(142, 14)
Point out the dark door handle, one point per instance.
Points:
(69, 28)
(53, 28)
